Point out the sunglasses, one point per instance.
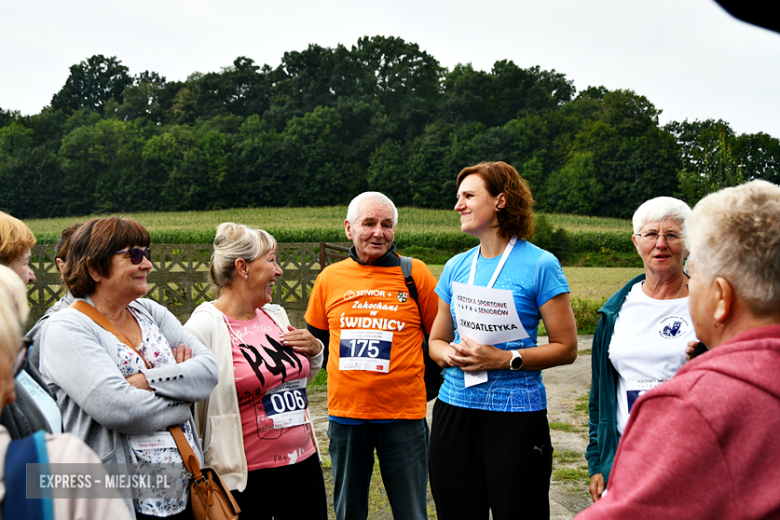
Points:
(137, 254)
(21, 357)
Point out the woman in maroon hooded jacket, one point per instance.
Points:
(705, 444)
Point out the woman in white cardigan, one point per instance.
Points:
(255, 428)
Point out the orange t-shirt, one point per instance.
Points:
(375, 368)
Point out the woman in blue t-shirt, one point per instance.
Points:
(482, 456)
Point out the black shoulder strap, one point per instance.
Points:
(432, 374)
(406, 268)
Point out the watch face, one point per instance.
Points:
(517, 362)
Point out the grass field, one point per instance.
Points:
(590, 286)
(331, 217)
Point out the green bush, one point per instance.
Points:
(587, 241)
(556, 241)
(605, 258)
(445, 240)
(429, 255)
(586, 313)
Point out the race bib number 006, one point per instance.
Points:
(365, 350)
(285, 404)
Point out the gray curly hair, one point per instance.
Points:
(734, 233)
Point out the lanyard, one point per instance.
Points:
(507, 250)
(230, 329)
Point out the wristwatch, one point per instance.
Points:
(516, 363)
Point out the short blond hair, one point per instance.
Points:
(234, 241)
(15, 238)
(734, 233)
(13, 311)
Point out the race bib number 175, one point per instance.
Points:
(365, 350)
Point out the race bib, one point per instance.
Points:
(152, 441)
(365, 350)
(285, 405)
(637, 387)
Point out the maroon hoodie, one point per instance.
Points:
(705, 444)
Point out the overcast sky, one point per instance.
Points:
(688, 57)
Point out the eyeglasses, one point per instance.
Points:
(21, 357)
(137, 254)
(670, 238)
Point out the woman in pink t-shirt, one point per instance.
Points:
(255, 426)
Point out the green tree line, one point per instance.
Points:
(328, 123)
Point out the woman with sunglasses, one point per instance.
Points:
(121, 395)
(642, 334)
(34, 408)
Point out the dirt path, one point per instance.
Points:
(567, 391)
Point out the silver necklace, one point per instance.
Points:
(681, 287)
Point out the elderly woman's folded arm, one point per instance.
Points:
(192, 380)
(77, 367)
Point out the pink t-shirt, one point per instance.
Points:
(271, 386)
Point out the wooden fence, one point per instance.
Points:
(179, 278)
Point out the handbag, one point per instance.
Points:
(210, 498)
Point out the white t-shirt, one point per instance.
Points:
(648, 346)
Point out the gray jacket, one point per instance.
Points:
(79, 363)
(35, 332)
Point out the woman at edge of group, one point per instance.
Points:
(642, 333)
(704, 445)
(57, 449)
(483, 457)
(60, 254)
(267, 460)
(35, 407)
(118, 403)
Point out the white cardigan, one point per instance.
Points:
(218, 419)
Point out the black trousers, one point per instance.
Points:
(294, 492)
(484, 461)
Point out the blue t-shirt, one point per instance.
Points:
(534, 276)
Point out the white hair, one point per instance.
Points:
(13, 311)
(234, 241)
(658, 209)
(379, 198)
(734, 233)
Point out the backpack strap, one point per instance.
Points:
(406, 268)
(30, 449)
(432, 375)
